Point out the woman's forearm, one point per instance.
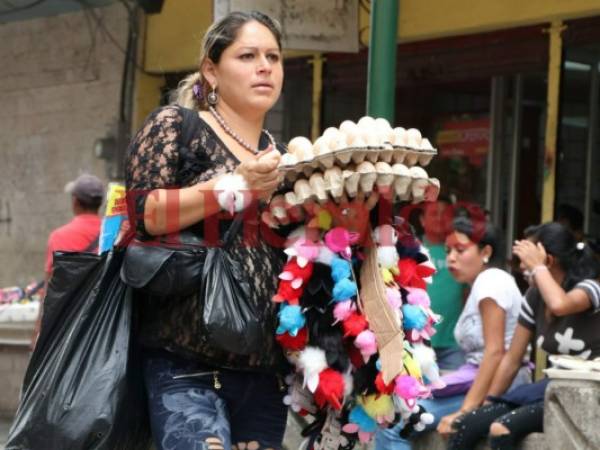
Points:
(171, 210)
(552, 293)
(504, 375)
(511, 361)
(481, 385)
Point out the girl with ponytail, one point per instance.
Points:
(559, 313)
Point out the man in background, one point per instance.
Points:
(446, 293)
(81, 233)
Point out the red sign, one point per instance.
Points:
(465, 139)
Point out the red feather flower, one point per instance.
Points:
(330, 389)
(292, 281)
(286, 292)
(382, 387)
(290, 342)
(412, 274)
(354, 324)
(292, 267)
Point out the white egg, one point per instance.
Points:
(366, 122)
(339, 142)
(288, 159)
(347, 126)
(399, 137)
(382, 125)
(383, 167)
(426, 145)
(365, 167)
(301, 147)
(321, 146)
(413, 138)
(400, 169)
(331, 133)
(418, 172)
(356, 141)
(372, 137)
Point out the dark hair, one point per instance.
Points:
(482, 233)
(571, 214)
(575, 259)
(222, 33)
(217, 38)
(91, 204)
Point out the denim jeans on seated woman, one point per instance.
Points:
(190, 403)
(449, 358)
(390, 439)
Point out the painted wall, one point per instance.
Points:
(59, 91)
(426, 19)
(173, 36)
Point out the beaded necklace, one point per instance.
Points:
(234, 135)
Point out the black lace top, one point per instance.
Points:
(157, 158)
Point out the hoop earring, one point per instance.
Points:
(212, 98)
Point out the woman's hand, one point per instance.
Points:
(445, 426)
(279, 212)
(530, 254)
(261, 173)
(354, 214)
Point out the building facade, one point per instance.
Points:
(507, 91)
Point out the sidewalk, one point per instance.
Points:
(4, 426)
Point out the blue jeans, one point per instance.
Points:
(390, 439)
(449, 358)
(190, 403)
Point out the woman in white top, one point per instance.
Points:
(484, 329)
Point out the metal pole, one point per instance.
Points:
(514, 163)
(381, 85)
(591, 139)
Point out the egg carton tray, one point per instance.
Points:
(355, 155)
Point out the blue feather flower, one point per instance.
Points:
(291, 319)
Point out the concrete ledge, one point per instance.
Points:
(16, 333)
(571, 414)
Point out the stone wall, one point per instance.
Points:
(60, 81)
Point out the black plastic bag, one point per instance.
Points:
(233, 323)
(231, 320)
(83, 387)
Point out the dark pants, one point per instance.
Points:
(190, 403)
(520, 421)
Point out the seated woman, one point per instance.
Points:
(560, 314)
(483, 331)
